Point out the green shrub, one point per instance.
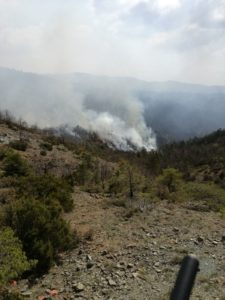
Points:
(41, 229)
(163, 192)
(53, 140)
(19, 145)
(48, 189)
(81, 174)
(46, 146)
(209, 193)
(170, 178)
(116, 185)
(14, 165)
(3, 153)
(13, 261)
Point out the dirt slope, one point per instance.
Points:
(125, 252)
(128, 254)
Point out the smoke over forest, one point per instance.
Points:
(124, 111)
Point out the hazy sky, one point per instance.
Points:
(155, 40)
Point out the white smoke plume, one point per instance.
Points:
(117, 116)
(121, 111)
(120, 133)
(50, 101)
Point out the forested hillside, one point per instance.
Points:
(44, 177)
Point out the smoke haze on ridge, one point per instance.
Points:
(123, 111)
(51, 101)
(153, 40)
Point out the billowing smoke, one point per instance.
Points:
(117, 115)
(124, 111)
(110, 111)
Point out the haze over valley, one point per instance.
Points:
(124, 111)
(161, 43)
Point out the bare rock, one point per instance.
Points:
(79, 287)
(112, 282)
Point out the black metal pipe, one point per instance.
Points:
(185, 279)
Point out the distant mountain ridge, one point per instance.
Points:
(117, 108)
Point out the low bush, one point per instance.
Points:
(41, 229)
(210, 194)
(14, 165)
(18, 145)
(116, 185)
(171, 179)
(13, 261)
(3, 153)
(47, 188)
(46, 146)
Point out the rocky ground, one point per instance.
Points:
(125, 253)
